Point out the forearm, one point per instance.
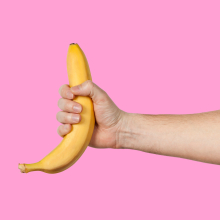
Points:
(190, 136)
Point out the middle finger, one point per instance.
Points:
(69, 106)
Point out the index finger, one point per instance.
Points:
(65, 92)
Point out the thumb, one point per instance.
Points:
(88, 88)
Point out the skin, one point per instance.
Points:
(189, 136)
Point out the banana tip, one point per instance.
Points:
(21, 167)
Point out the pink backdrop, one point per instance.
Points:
(152, 57)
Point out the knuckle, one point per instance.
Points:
(58, 116)
(58, 130)
(59, 102)
(80, 86)
(61, 89)
(89, 83)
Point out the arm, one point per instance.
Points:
(190, 136)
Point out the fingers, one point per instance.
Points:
(64, 129)
(69, 106)
(68, 118)
(88, 88)
(65, 92)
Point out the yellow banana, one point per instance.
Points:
(74, 143)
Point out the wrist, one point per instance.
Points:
(125, 131)
(136, 132)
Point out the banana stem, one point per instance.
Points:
(25, 168)
(21, 167)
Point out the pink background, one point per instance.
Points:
(152, 57)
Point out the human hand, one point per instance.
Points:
(107, 115)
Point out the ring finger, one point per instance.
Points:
(68, 118)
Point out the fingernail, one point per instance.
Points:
(66, 126)
(75, 88)
(69, 95)
(75, 118)
(77, 108)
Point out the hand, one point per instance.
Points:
(107, 115)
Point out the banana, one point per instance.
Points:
(74, 143)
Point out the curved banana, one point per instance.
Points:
(74, 143)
